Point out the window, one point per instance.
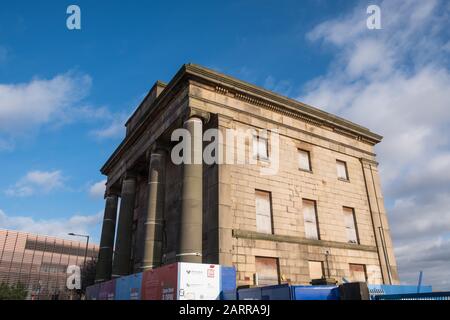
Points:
(310, 218)
(358, 272)
(53, 268)
(315, 269)
(341, 167)
(260, 149)
(263, 211)
(267, 271)
(350, 225)
(304, 160)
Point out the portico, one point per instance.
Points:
(139, 181)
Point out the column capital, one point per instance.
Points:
(157, 147)
(130, 174)
(112, 191)
(368, 161)
(196, 113)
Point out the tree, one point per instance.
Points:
(88, 274)
(13, 292)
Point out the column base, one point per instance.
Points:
(193, 257)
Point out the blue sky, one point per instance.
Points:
(123, 48)
(65, 95)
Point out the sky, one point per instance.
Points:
(66, 94)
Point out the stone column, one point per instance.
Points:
(154, 220)
(104, 264)
(380, 223)
(191, 225)
(220, 217)
(122, 254)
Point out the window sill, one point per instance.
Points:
(305, 170)
(263, 159)
(344, 180)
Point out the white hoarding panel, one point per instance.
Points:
(198, 281)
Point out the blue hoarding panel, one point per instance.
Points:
(249, 294)
(228, 295)
(129, 287)
(228, 278)
(92, 292)
(315, 292)
(277, 292)
(107, 290)
(227, 283)
(381, 289)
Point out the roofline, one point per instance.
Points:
(192, 70)
(173, 82)
(297, 106)
(158, 82)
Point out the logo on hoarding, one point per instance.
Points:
(193, 272)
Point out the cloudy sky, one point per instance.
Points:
(65, 95)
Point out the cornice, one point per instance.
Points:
(252, 94)
(157, 83)
(249, 93)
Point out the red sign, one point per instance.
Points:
(160, 283)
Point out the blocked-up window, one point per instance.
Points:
(304, 160)
(315, 269)
(260, 147)
(358, 272)
(310, 219)
(350, 225)
(267, 271)
(263, 211)
(341, 168)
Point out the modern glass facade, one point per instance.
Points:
(40, 262)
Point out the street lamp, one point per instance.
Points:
(87, 244)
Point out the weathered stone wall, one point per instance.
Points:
(288, 187)
(229, 213)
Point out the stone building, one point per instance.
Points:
(320, 215)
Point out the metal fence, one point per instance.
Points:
(415, 296)
(39, 263)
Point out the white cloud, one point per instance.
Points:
(420, 216)
(25, 107)
(114, 129)
(428, 256)
(97, 190)
(83, 224)
(36, 182)
(395, 81)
